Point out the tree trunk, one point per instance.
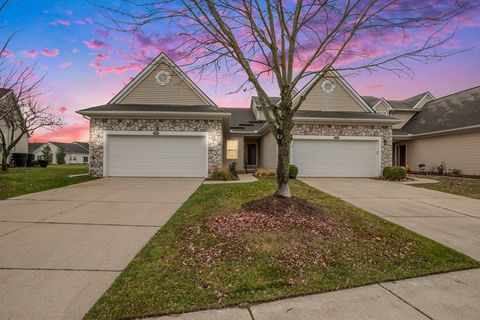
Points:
(4, 160)
(283, 161)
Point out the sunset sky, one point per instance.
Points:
(85, 65)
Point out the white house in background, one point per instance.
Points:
(22, 145)
(75, 152)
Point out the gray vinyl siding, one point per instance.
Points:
(268, 151)
(176, 92)
(458, 151)
(338, 100)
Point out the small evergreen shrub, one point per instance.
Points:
(43, 163)
(20, 159)
(394, 173)
(292, 171)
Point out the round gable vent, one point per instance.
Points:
(328, 87)
(163, 77)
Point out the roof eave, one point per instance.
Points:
(345, 120)
(153, 114)
(439, 132)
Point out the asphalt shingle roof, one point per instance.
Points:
(153, 107)
(4, 91)
(243, 119)
(32, 146)
(272, 100)
(458, 110)
(406, 104)
(70, 147)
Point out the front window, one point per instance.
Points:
(232, 149)
(85, 159)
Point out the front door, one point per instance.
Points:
(251, 154)
(401, 155)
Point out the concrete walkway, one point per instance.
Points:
(446, 218)
(61, 249)
(439, 297)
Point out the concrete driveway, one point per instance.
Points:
(446, 218)
(61, 249)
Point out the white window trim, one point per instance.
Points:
(108, 133)
(342, 138)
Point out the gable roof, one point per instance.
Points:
(273, 100)
(70, 147)
(162, 58)
(32, 146)
(409, 104)
(455, 111)
(84, 145)
(334, 74)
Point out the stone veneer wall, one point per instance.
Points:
(352, 130)
(98, 126)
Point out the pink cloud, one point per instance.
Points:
(62, 109)
(65, 64)
(69, 133)
(118, 70)
(7, 53)
(95, 44)
(30, 53)
(64, 22)
(95, 64)
(84, 21)
(101, 56)
(50, 53)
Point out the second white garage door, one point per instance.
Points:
(156, 156)
(336, 158)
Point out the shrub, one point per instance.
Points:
(30, 159)
(292, 171)
(422, 167)
(221, 174)
(441, 168)
(34, 163)
(394, 173)
(20, 159)
(43, 163)
(232, 168)
(60, 155)
(456, 172)
(261, 172)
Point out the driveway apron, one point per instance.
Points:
(446, 218)
(61, 249)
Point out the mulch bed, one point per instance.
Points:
(271, 215)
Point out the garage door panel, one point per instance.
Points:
(336, 158)
(157, 156)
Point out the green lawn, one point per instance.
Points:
(199, 260)
(466, 187)
(18, 181)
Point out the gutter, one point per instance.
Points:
(154, 113)
(345, 120)
(440, 132)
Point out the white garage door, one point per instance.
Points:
(156, 156)
(336, 158)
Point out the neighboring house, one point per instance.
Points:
(75, 152)
(163, 125)
(435, 131)
(22, 145)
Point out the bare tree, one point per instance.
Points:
(291, 41)
(20, 111)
